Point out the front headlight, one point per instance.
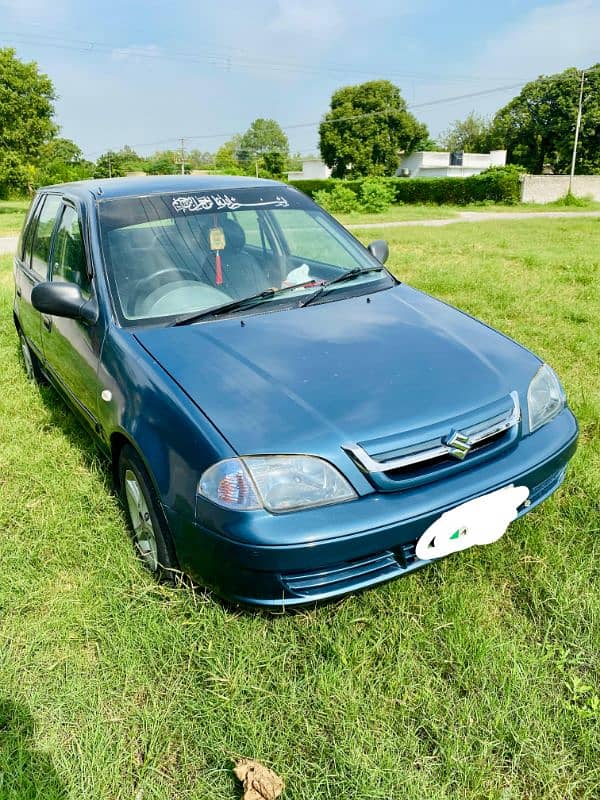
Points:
(277, 483)
(545, 398)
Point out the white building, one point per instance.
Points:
(433, 164)
(312, 169)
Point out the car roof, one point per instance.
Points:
(103, 188)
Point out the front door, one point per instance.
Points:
(32, 267)
(71, 347)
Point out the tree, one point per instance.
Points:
(164, 163)
(274, 164)
(226, 157)
(262, 137)
(26, 107)
(110, 165)
(131, 161)
(60, 149)
(60, 161)
(366, 128)
(473, 135)
(538, 126)
(199, 159)
(15, 175)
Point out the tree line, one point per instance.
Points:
(364, 132)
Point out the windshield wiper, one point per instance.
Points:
(345, 276)
(236, 305)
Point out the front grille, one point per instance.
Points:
(415, 457)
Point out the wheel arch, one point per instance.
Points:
(118, 440)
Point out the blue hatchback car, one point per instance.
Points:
(286, 421)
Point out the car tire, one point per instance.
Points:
(33, 368)
(148, 527)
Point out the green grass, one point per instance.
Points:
(399, 213)
(12, 214)
(477, 677)
(408, 213)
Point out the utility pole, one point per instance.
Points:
(577, 126)
(181, 159)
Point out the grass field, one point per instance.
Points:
(406, 213)
(477, 677)
(12, 212)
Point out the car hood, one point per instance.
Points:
(362, 368)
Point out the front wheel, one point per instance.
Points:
(149, 530)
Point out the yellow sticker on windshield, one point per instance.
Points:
(217, 239)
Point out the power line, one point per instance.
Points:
(335, 121)
(226, 60)
(89, 46)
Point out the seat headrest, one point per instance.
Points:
(235, 238)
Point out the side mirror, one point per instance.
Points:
(62, 299)
(380, 250)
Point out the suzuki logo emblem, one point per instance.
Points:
(458, 445)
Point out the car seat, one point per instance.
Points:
(242, 274)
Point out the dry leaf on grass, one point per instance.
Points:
(260, 783)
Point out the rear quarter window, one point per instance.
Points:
(27, 229)
(42, 240)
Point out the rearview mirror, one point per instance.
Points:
(62, 299)
(380, 250)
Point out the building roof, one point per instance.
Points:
(155, 184)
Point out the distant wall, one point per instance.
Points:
(312, 169)
(546, 188)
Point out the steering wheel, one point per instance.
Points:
(179, 273)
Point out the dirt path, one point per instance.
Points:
(8, 244)
(476, 216)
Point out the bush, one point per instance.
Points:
(570, 199)
(496, 185)
(376, 195)
(312, 186)
(340, 200)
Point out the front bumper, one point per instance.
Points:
(303, 557)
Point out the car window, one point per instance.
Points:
(43, 235)
(171, 254)
(314, 238)
(68, 260)
(250, 223)
(24, 245)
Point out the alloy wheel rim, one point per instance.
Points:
(144, 536)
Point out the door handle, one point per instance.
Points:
(47, 322)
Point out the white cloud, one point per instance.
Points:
(546, 40)
(549, 39)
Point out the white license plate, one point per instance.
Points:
(479, 521)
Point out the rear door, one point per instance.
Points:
(71, 347)
(31, 266)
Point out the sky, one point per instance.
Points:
(145, 74)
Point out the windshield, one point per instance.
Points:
(169, 255)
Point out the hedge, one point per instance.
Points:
(498, 185)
